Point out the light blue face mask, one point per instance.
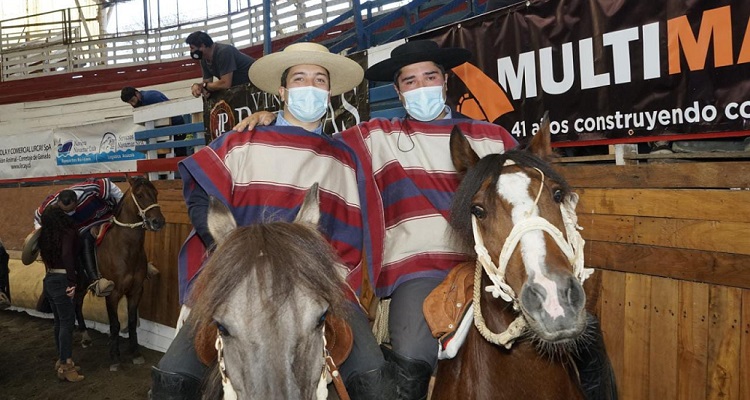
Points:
(425, 103)
(307, 103)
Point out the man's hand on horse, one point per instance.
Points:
(263, 118)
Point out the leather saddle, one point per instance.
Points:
(445, 306)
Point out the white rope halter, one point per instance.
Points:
(141, 212)
(572, 248)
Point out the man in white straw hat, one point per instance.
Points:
(263, 175)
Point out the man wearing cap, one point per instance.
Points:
(89, 204)
(219, 60)
(263, 175)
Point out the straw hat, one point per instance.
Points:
(413, 52)
(345, 73)
(30, 247)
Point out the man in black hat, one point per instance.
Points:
(408, 165)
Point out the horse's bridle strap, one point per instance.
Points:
(572, 248)
(141, 213)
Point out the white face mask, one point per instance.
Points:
(307, 103)
(425, 103)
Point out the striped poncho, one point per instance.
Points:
(409, 185)
(262, 176)
(97, 198)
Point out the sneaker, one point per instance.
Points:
(102, 287)
(4, 301)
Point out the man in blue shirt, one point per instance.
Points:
(138, 98)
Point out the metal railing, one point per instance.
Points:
(63, 43)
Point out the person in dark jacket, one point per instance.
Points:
(58, 245)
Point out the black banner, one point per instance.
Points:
(607, 71)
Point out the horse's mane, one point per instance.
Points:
(490, 167)
(291, 255)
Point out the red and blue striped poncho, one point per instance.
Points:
(97, 199)
(262, 176)
(409, 185)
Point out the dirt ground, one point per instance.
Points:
(27, 358)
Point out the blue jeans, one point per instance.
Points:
(64, 312)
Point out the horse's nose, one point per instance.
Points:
(156, 223)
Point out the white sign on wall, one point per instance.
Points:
(28, 154)
(96, 148)
(101, 147)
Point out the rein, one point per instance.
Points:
(329, 373)
(572, 248)
(141, 212)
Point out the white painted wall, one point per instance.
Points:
(70, 111)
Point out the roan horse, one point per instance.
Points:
(121, 258)
(519, 214)
(262, 299)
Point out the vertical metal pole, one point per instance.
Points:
(145, 16)
(267, 27)
(360, 29)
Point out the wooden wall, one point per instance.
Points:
(672, 242)
(160, 301)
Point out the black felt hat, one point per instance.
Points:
(413, 52)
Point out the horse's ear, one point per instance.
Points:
(220, 219)
(541, 143)
(129, 180)
(462, 155)
(310, 210)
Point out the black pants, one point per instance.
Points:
(4, 272)
(64, 312)
(181, 357)
(409, 332)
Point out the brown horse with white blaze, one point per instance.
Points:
(529, 303)
(121, 257)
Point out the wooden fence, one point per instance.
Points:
(672, 242)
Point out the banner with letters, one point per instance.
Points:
(28, 154)
(102, 147)
(97, 148)
(607, 71)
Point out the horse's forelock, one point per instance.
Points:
(291, 255)
(490, 167)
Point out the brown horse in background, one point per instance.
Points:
(532, 315)
(122, 258)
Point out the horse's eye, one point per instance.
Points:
(322, 319)
(559, 196)
(478, 211)
(223, 331)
